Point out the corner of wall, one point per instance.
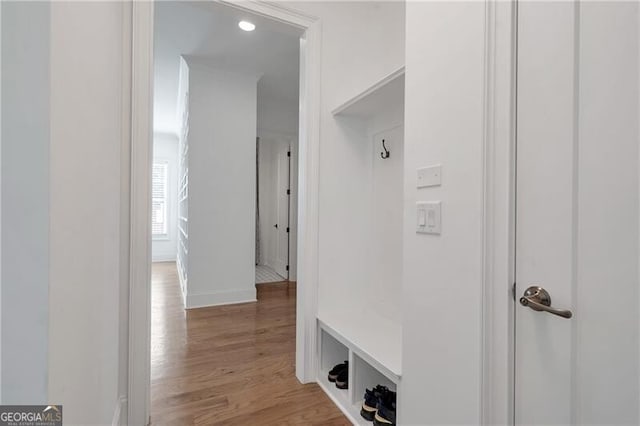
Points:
(120, 412)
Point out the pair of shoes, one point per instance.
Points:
(370, 403)
(379, 406)
(340, 375)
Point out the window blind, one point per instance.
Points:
(159, 199)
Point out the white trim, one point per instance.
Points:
(0, 209)
(140, 198)
(140, 248)
(121, 404)
(497, 356)
(230, 297)
(308, 204)
(165, 258)
(368, 91)
(125, 212)
(273, 11)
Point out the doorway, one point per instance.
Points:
(577, 318)
(309, 28)
(231, 80)
(276, 199)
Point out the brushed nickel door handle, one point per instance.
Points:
(538, 299)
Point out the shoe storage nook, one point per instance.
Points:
(359, 318)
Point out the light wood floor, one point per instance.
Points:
(229, 364)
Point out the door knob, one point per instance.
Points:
(538, 299)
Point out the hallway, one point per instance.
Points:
(230, 364)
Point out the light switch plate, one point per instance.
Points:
(430, 176)
(428, 214)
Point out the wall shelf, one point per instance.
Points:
(387, 91)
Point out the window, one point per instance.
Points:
(159, 199)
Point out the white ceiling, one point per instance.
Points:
(210, 32)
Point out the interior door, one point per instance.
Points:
(283, 192)
(577, 216)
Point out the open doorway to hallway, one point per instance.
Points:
(276, 201)
(224, 220)
(225, 210)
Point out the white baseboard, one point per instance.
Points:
(118, 413)
(228, 297)
(164, 259)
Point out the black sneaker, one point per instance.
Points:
(335, 371)
(386, 410)
(342, 381)
(370, 403)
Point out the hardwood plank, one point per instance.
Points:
(229, 364)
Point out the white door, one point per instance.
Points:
(577, 222)
(283, 191)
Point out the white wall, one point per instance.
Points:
(277, 115)
(62, 135)
(222, 185)
(353, 57)
(88, 209)
(165, 150)
(25, 202)
(443, 274)
(384, 293)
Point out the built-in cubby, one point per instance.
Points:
(366, 376)
(359, 316)
(333, 352)
(364, 372)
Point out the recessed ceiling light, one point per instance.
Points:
(246, 26)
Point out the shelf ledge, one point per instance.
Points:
(365, 342)
(372, 98)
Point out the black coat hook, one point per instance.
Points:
(384, 155)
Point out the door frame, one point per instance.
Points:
(141, 24)
(499, 178)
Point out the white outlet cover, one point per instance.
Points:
(430, 176)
